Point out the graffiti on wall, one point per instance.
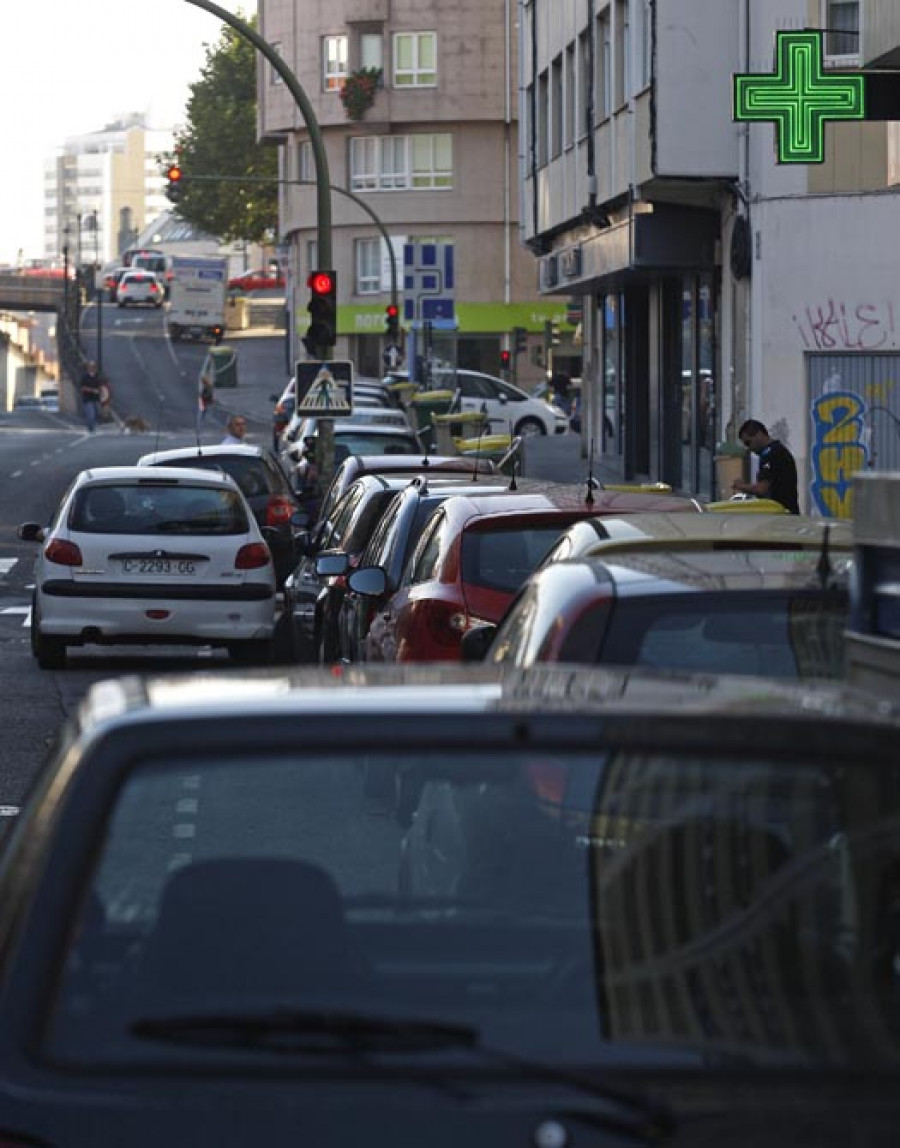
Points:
(839, 449)
(835, 325)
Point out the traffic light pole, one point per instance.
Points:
(323, 181)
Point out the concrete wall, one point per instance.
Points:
(824, 280)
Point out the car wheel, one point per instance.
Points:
(528, 427)
(256, 651)
(49, 653)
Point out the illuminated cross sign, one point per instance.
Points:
(800, 97)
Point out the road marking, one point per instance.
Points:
(6, 564)
(16, 474)
(25, 611)
(9, 811)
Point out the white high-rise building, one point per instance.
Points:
(114, 172)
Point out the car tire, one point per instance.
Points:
(49, 653)
(530, 427)
(255, 651)
(284, 641)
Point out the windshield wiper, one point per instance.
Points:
(326, 1031)
(299, 1030)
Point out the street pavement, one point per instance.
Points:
(262, 371)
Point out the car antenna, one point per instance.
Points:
(589, 496)
(824, 568)
(512, 484)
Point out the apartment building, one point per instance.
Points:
(433, 153)
(113, 172)
(718, 283)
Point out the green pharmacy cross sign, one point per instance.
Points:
(800, 97)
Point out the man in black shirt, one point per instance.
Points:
(776, 477)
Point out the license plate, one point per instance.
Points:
(159, 566)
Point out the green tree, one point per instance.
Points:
(219, 139)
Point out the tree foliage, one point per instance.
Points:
(219, 139)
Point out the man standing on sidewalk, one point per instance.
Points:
(90, 386)
(776, 477)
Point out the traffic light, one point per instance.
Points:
(555, 333)
(505, 358)
(392, 323)
(520, 340)
(174, 175)
(322, 307)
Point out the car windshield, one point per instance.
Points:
(249, 473)
(163, 509)
(780, 635)
(708, 907)
(503, 559)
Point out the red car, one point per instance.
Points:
(258, 280)
(472, 557)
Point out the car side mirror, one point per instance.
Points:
(370, 581)
(31, 532)
(503, 398)
(475, 642)
(332, 565)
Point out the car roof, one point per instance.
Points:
(224, 450)
(437, 462)
(124, 475)
(692, 571)
(707, 531)
(396, 690)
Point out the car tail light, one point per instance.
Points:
(252, 555)
(278, 510)
(443, 623)
(63, 553)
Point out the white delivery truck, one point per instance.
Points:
(196, 307)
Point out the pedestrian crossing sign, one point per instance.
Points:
(324, 389)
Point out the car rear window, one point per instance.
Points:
(776, 635)
(164, 509)
(503, 559)
(250, 474)
(375, 444)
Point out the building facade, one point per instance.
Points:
(114, 173)
(433, 154)
(717, 283)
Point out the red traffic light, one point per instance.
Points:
(321, 283)
(173, 173)
(504, 358)
(391, 311)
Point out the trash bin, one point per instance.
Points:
(423, 406)
(461, 424)
(731, 463)
(224, 361)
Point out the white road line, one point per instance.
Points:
(6, 564)
(23, 610)
(16, 474)
(9, 811)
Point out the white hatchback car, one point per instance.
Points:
(142, 555)
(137, 287)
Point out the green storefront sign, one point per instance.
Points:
(472, 318)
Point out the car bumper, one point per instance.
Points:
(116, 616)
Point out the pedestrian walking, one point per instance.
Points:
(776, 476)
(237, 429)
(90, 386)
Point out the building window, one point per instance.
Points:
(401, 163)
(842, 30)
(306, 168)
(585, 81)
(646, 61)
(543, 113)
(371, 50)
(624, 85)
(415, 59)
(368, 266)
(334, 62)
(275, 77)
(603, 86)
(569, 82)
(556, 107)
